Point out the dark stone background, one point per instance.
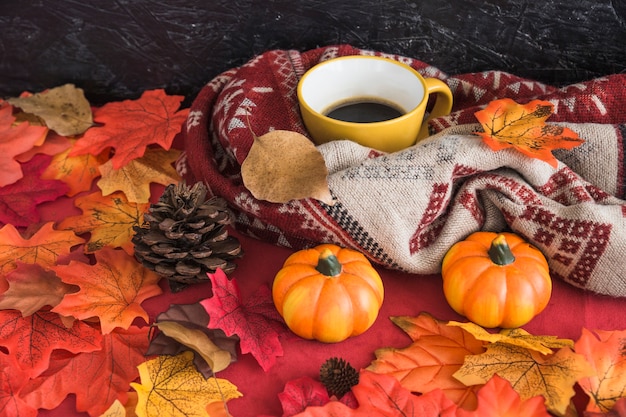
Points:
(117, 49)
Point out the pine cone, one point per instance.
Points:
(338, 376)
(184, 236)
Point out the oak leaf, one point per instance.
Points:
(134, 178)
(78, 172)
(508, 124)
(112, 289)
(282, 166)
(256, 321)
(529, 372)
(606, 352)
(108, 219)
(44, 247)
(64, 109)
(437, 352)
(31, 340)
(130, 126)
(191, 316)
(516, 337)
(16, 139)
(172, 387)
(31, 288)
(96, 378)
(19, 200)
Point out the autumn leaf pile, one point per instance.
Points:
(71, 295)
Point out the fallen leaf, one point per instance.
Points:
(44, 248)
(112, 289)
(606, 352)
(130, 126)
(498, 399)
(508, 124)
(516, 337)
(282, 166)
(134, 178)
(96, 378)
(437, 352)
(31, 340)
(31, 288)
(529, 372)
(255, 322)
(16, 139)
(12, 379)
(78, 172)
(108, 219)
(19, 200)
(199, 342)
(52, 145)
(380, 395)
(191, 316)
(64, 109)
(301, 393)
(172, 387)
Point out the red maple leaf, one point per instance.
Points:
(15, 140)
(12, 379)
(256, 322)
(96, 378)
(19, 200)
(308, 392)
(31, 340)
(130, 126)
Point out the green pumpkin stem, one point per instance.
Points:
(328, 264)
(500, 252)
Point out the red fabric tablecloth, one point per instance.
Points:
(570, 310)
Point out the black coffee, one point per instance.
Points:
(364, 112)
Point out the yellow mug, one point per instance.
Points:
(377, 102)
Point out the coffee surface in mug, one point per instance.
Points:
(364, 110)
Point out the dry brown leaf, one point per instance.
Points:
(64, 109)
(283, 165)
(218, 359)
(516, 337)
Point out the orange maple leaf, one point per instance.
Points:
(112, 289)
(134, 178)
(16, 139)
(78, 172)
(508, 124)
(130, 126)
(43, 248)
(97, 378)
(606, 352)
(31, 340)
(109, 220)
(437, 352)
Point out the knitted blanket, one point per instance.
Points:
(405, 209)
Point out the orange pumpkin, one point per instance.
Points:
(496, 280)
(328, 293)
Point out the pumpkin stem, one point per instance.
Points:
(500, 252)
(328, 264)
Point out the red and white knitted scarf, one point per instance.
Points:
(405, 209)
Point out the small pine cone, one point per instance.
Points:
(338, 376)
(184, 236)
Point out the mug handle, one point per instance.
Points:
(443, 104)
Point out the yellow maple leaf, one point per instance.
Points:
(171, 386)
(516, 337)
(529, 372)
(134, 178)
(109, 219)
(508, 124)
